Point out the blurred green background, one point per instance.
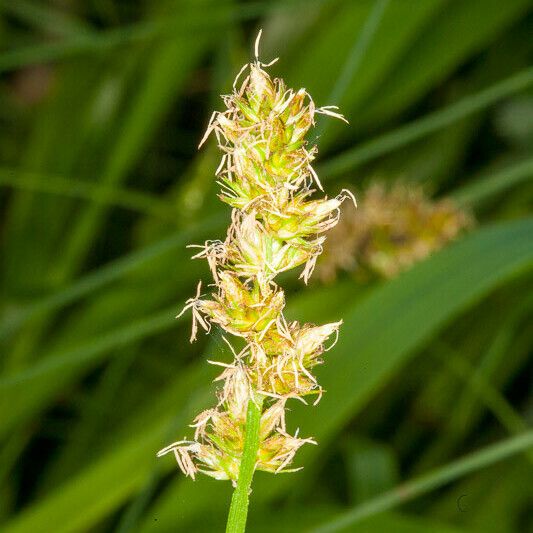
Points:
(102, 105)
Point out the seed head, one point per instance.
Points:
(394, 228)
(266, 176)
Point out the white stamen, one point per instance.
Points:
(256, 46)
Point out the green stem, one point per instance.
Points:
(238, 511)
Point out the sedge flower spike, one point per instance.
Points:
(393, 228)
(266, 176)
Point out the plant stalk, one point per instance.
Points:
(238, 511)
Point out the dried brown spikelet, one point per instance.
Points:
(393, 228)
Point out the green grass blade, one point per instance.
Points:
(45, 18)
(353, 61)
(461, 30)
(138, 201)
(15, 318)
(127, 464)
(330, 45)
(431, 481)
(481, 389)
(164, 79)
(107, 40)
(74, 46)
(487, 186)
(54, 372)
(426, 125)
(304, 518)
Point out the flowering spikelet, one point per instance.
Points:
(266, 176)
(393, 228)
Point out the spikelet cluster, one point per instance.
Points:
(393, 228)
(266, 176)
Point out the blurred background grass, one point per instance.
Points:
(102, 105)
